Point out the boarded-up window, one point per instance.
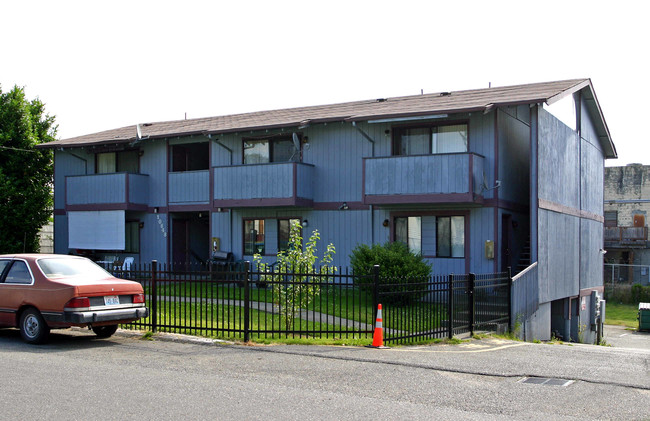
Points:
(611, 218)
(96, 230)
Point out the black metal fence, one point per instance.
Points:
(233, 301)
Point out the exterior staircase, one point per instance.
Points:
(524, 258)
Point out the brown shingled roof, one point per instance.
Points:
(438, 103)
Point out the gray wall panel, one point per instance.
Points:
(559, 160)
(559, 255)
(592, 179)
(591, 259)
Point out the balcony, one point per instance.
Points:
(189, 187)
(444, 178)
(274, 184)
(117, 191)
(626, 237)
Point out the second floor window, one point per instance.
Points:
(425, 140)
(189, 157)
(278, 149)
(123, 161)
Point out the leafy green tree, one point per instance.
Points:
(295, 278)
(25, 172)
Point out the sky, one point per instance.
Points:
(104, 65)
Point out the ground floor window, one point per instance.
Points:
(254, 236)
(284, 229)
(431, 235)
(450, 236)
(408, 230)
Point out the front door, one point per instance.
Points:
(180, 244)
(506, 241)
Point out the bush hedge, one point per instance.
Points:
(397, 265)
(627, 294)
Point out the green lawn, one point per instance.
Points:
(622, 314)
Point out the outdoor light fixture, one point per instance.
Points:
(155, 210)
(305, 223)
(344, 206)
(385, 223)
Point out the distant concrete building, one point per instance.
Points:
(627, 206)
(46, 238)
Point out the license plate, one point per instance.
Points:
(111, 300)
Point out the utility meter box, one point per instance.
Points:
(594, 315)
(644, 316)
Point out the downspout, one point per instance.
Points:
(218, 142)
(365, 135)
(372, 208)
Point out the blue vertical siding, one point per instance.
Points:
(67, 164)
(153, 162)
(189, 187)
(154, 237)
(102, 188)
(61, 234)
(481, 226)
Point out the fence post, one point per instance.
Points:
(509, 299)
(450, 307)
(470, 292)
(247, 265)
(375, 292)
(154, 296)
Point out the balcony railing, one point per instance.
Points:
(274, 184)
(626, 236)
(443, 178)
(189, 187)
(115, 191)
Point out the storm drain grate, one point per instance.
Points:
(547, 381)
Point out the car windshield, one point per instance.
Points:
(63, 268)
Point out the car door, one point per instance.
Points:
(16, 278)
(6, 315)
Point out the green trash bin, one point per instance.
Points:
(644, 316)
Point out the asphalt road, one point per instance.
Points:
(76, 376)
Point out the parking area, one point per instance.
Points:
(622, 337)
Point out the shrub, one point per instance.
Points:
(627, 294)
(399, 270)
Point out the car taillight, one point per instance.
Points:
(138, 298)
(78, 302)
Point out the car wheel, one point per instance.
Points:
(104, 331)
(33, 328)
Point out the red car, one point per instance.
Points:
(39, 292)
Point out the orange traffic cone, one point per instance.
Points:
(378, 337)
